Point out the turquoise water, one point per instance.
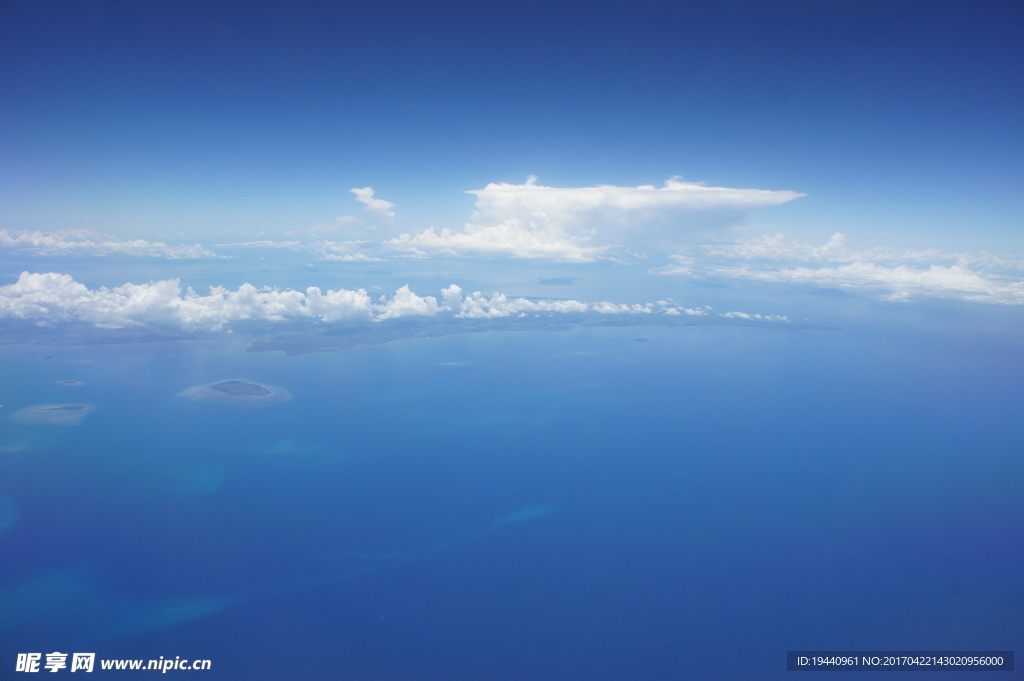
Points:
(517, 505)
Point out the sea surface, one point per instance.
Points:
(636, 503)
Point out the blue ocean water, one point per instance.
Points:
(535, 505)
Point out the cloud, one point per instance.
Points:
(761, 317)
(585, 223)
(343, 251)
(580, 224)
(509, 238)
(81, 242)
(287, 245)
(346, 222)
(405, 303)
(480, 306)
(51, 297)
(900, 283)
(893, 274)
(378, 208)
(58, 297)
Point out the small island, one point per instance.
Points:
(70, 382)
(240, 388)
(52, 414)
(237, 391)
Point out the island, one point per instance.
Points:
(309, 335)
(240, 388)
(237, 391)
(52, 414)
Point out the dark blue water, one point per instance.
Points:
(575, 505)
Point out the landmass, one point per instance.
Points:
(237, 391)
(302, 336)
(240, 388)
(308, 337)
(52, 414)
(70, 382)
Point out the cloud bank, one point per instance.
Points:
(582, 224)
(51, 297)
(893, 274)
(82, 242)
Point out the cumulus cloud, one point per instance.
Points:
(58, 297)
(480, 306)
(405, 303)
(378, 208)
(892, 273)
(82, 242)
(574, 224)
(579, 224)
(52, 297)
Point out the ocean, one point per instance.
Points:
(602, 503)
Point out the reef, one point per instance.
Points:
(52, 414)
(237, 391)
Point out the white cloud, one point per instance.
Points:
(82, 242)
(378, 208)
(897, 283)
(893, 274)
(51, 297)
(58, 297)
(405, 303)
(529, 220)
(338, 251)
(346, 222)
(585, 223)
(760, 317)
(838, 250)
(349, 257)
(289, 245)
(343, 251)
(509, 238)
(775, 248)
(479, 306)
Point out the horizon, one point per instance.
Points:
(544, 341)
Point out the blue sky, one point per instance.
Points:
(301, 177)
(897, 123)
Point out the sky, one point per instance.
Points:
(826, 194)
(865, 146)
